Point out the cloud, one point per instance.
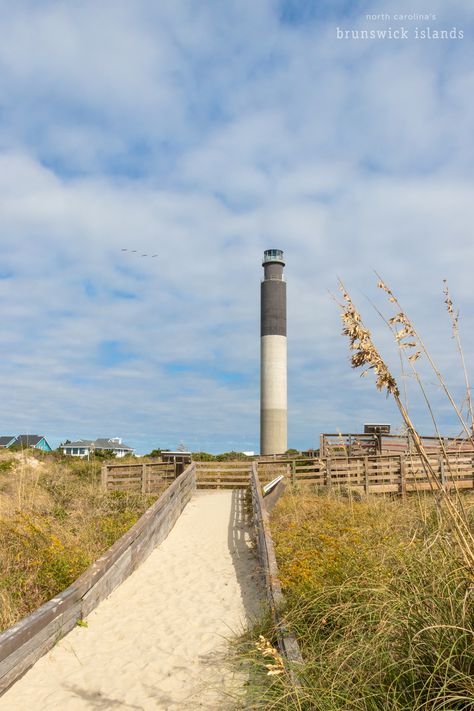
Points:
(207, 135)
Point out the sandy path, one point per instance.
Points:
(159, 640)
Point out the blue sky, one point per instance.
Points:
(208, 132)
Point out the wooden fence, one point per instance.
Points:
(376, 474)
(24, 643)
(223, 475)
(344, 444)
(229, 475)
(147, 477)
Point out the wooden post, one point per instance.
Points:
(144, 482)
(321, 445)
(293, 472)
(403, 485)
(328, 473)
(441, 471)
(366, 475)
(103, 476)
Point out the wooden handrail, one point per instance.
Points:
(266, 552)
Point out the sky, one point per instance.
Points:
(206, 133)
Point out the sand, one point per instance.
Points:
(160, 640)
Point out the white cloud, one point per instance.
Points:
(207, 136)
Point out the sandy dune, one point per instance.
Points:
(158, 642)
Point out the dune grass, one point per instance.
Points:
(54, 521)
(381, 604)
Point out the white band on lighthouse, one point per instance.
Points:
(273, 394)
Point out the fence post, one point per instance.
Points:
(321, 445)
(441, 471)
(328, 473)
(144, 482)
(103, 476)
(403, 486)
(293, 472)
(366, 475)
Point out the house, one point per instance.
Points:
(85, 447)
(7, 441)
(26, 440)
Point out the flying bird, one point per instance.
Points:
(134, 251)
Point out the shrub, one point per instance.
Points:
(380, 602)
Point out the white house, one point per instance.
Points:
(85, 447)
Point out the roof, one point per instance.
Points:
(6, 439)
(79, 443)
(29, 440)
(103, 443)
(100, 443)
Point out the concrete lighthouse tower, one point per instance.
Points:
(273, 366)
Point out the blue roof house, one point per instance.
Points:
(35, 441)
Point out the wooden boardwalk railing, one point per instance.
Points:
(371, 474)
(147, 477)
(229, 475)
(378, 474)
(223, 475)
(351, 445)
(266, 554)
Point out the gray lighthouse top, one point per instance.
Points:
(273, 255)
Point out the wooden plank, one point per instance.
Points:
(29, 626)
(22, 658)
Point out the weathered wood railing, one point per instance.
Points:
(266, 554)
(24, 643)
(147, 477)
(223, 475)
(344, 444)
(377, 474)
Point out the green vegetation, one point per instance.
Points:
(380, 601)
(224, 457)
(6, 465)
(55, 521)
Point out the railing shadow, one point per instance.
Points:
(244, 559)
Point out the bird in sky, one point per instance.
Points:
(134, 251)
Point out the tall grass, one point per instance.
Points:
(54, 521)
(378, 596)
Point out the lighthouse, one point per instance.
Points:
(273, 355)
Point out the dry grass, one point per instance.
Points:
(54, 521)
(411, 347)
(378, 596)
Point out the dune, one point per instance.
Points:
(160, 640)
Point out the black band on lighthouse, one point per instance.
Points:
(273, 308)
